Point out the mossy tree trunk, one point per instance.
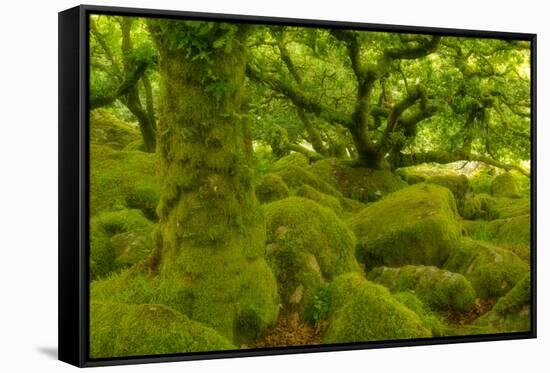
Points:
(212, 232)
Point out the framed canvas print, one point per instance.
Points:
(237, 186)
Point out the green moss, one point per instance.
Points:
(123, 179)
(492, 271)
(362, 184)
(415, 225)
(436, 287)
(430, 319)
(118, 239)
(515, 235)
(295, 177)
(148, 329)
(460, 186)
(271, 188)
(410, 176)
(479, 206)
(323, 199)
(307, 245)
(505, 185)
(362, 311)
(239, 304)
(293, 159)
(512, 312)
(106, 129)
(512, 207)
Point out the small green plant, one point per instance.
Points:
(320, 304)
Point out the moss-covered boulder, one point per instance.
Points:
(323, 199)
(512, 207)
(512, 233)
(106, 129)
(123, 179)
(362, 311)
(512, 312)
(515, 235)
(479, 206)
(307, 245)
(492, 271)
(459, 185)
(437, 288)
(410, 176)
(149, 329)
(119, 239)
(505, 185)
(429, 318)
(415, 225)
(362, 184)
(293, 159)
(295, 177)
(271, 188)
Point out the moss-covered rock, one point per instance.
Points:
(512, 312)
(148, 329)
(362, 311)
(293, 159)
(512, 207)
(106, 129)
(505, 185)
(118, 239)
(123, 179)
(415, 225)
(436, 287)
(323, 199)
(362, 184)
(479, 206)
(429, 318)
(512, 233)
(307, 245)
(459, 185)
(410, 177)
(515, 235)
(271, 188)
(295, 177)
(492, 271)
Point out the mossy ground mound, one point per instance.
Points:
(436, 287)
(271, 188)
(512, 312)
(492, 271)
(323, 199)
(415, 225)
(307, 245)
(505, 185)
(362, 184)
(238, 308)
(106, 129)
(363, 311)
(148, 329)
(123, 179)
(119, 239)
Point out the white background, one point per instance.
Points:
(28, 185)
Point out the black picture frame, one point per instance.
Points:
(74, 178)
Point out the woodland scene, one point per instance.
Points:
(258, 186)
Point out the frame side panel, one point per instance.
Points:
(69, 332)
